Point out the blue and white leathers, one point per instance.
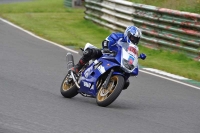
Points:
(120, 39)
(126, 59)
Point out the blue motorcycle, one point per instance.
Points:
(103, 78)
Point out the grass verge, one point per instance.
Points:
(182, 5)
(51, 20)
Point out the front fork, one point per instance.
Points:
(106, 82)
(71, 77)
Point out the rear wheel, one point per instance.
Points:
(106, 96)
(68, 88)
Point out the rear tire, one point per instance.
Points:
(106, 96)
(68, 90)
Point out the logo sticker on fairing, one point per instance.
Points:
(92, 88)
(88, 71)
(132, 50)
(86, 84)
(97, 64)
(130, 60)
(101, 69)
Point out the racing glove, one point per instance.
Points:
(142, 56)
(105, 46)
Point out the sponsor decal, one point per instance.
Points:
(86, 84)
(92, 88)
(105, 44)
(130, 60)
(97, 64)
(101, 69)
(132, 50)
(88, 71)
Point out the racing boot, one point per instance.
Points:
(78, 66)
(126, 84)
(88, 54)
(75, 70)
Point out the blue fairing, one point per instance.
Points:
(90, 75)
(135, 72)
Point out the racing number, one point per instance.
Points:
(133, 50)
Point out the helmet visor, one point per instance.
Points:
(133, 39)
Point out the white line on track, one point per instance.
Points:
(30, 33)
(170, 79)
(165, 73)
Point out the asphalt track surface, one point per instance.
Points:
(31, 72)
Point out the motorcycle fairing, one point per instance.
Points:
(90, 76)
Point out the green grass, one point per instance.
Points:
(51, 20)
(174, 63)
(182, 5)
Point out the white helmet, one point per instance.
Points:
(132, 35)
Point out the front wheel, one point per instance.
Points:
(68, 89)
(106, 96)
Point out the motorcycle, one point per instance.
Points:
(103, 78)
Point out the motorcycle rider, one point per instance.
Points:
(132, 35)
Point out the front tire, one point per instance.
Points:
(106, 96)
(68, 90)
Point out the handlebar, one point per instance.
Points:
(107, 51)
